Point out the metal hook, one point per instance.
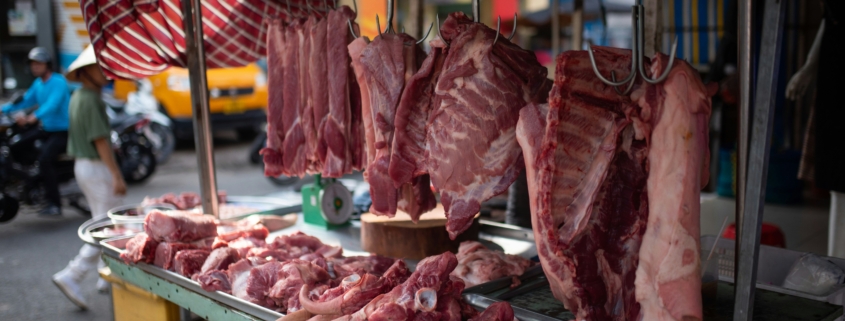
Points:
(437, 18)
(426, 33)
(475, 10)
(402, 30)
(351, 29)
(378, 25)
(640, 37)
(637, 50)
(499, 26)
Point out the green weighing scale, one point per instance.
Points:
(326, 203)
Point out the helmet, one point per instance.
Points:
(40, 55)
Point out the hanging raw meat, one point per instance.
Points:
(614, 183)
(385, 65)
(273, 162)
(294, 142)
(318, 98)
(470, 148)
(337, 142)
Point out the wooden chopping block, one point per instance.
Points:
(399, 237)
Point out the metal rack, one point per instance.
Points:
(754, 128)
(753, 154)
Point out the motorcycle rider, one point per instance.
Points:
(51, 93)
(96, 170)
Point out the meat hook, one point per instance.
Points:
(426, 33)
(637, 50)
(499, 25)
(437, 18)
(351, 29)
(389, 19)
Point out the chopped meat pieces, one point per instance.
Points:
(477, 264)
(140, 248)
(175, 226)
(220, 259)
(165, 252)
(499, 311)
(189, 262)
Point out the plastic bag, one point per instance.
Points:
(815, 275)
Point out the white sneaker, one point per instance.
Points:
(103, 286)
(65, 281)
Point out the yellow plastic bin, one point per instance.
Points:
(132, 303)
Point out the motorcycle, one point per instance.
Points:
(255, 158)
(142, 103)
(19, 168)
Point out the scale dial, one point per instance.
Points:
(336, 203)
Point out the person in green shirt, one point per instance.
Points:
(96, 170)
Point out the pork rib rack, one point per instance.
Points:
(615, 183)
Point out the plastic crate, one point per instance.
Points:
(772, 268)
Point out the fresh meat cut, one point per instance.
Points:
(214, 280)
(175, 226)
(386, 64)
(614, 183)
(235, 231)
(299, 244)
(408, 159)
(470, 148)
(276, 46)
(428, 292)
(338, 147)
(141, 248)
(294, 151)
(356, 48)
(306, 107)
(290, 278)
(238, 276)
(318, 75)
(477, 264)
(165, 252)
(189, 262)
(340, 268)
(220, 259)
(499, 311)
(245, 244)
(353, 293)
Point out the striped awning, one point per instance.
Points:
(135, 39)
(698, 24)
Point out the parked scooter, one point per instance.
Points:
(19, 168)
(256, 158)
(142, 103)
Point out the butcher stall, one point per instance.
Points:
(613, 151)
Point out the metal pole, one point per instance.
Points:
(764, 109)
(653, 23)
(577, 24)
(192, 15)
(415, 15)
(555, 14)
(744, 44)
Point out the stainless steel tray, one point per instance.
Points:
(114, 247)
(263, 206)
(532, 300)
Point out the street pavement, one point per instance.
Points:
(33, 248)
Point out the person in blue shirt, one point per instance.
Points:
(50, 92)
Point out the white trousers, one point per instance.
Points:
(95, 180)
(836, 230)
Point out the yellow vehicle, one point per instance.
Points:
(237, 98)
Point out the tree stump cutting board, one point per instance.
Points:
(399, 237)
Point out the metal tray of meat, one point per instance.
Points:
(115, 246)
(532, 300)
